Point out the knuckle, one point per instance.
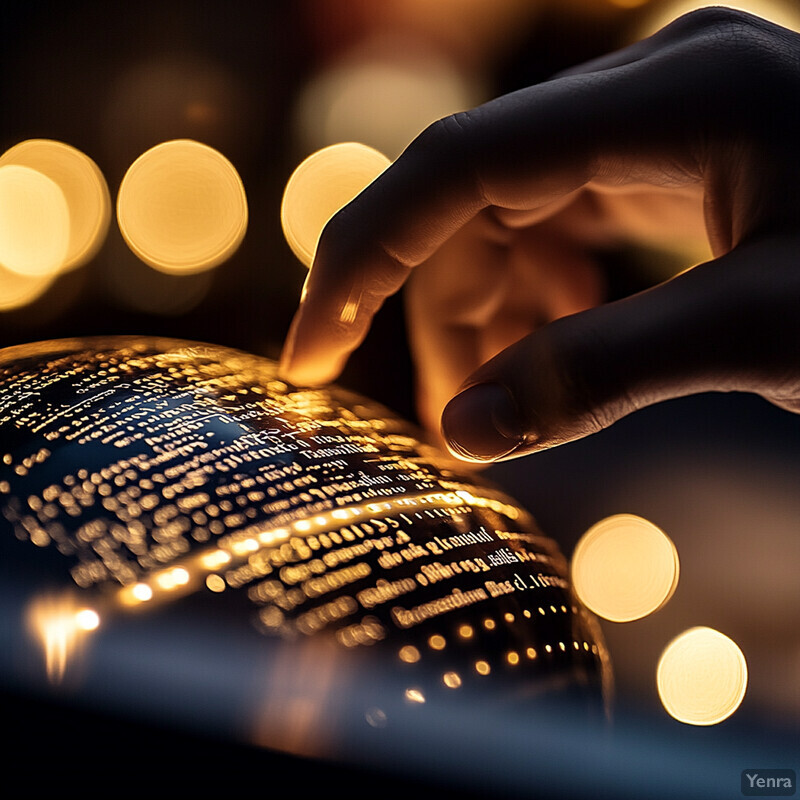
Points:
(450, 148)
(744, 73)
(746, 46)
(448, 132)
(710, 18)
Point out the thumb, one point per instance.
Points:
(730, 324)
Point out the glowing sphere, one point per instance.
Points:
(84, 189)
(307, 537)
(34, 222)
(182, 207)
(322, 184)
(625, 568)
(701, 677)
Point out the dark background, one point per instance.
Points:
(718, 473)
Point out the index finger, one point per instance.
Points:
(636, 121)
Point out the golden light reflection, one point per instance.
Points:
(34, 222)
(182, 207)
(83, 186)
(215, 559)
(60, 626)
(322, 184)
(135, 594)
(701, 677)
(625, 568)
(172, 578)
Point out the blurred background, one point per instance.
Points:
(266, 84)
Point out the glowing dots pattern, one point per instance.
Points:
(322, 184)
(302, 530)
(182, 207)
(84, 189)
(701, 677)
(34, 222)
(625, 568)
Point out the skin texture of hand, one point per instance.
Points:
(691, 133)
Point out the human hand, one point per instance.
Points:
(693, 130)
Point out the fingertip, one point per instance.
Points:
(305, 371)
(482, 424)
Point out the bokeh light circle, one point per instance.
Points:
(18, 290)
(322, 184)
(84, 189)
(182, 207)
(701, 677)
(34, 222)
(625, 568)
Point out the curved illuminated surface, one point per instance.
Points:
(84, 189)
(34, 222)
(701, 677)
(625, 568)
(182, 207)
(163, 483)
(322, 184)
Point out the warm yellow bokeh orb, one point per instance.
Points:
(87, 619)
(322, 184)
(84, 189)
(701, 677)
(18, 290)
(182, 207)
(625, 568)
(34, 222)
(383, 97)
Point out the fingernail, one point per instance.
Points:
(482, 423)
